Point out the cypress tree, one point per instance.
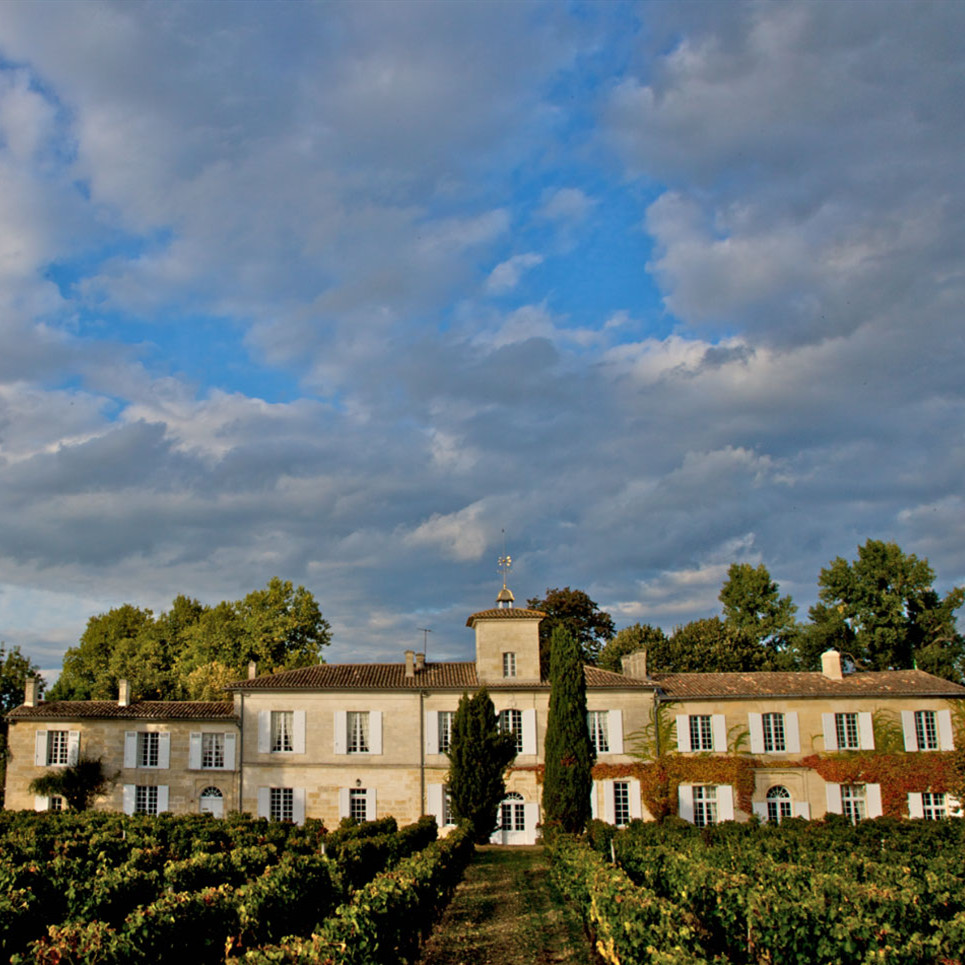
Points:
(568, 778)
(478, 757)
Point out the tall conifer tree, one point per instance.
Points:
(569, 754)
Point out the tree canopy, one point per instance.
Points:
(192, 650)
(631, 639)
(15, 668)
(753, 605)
(573, 610)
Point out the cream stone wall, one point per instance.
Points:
(500, 635)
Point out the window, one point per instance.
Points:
(445, 729)
(599, 736)
(358, 803)
(778, 804)
(934, 806)
(282, 729)
(705, 805)
(701, 733)
(56, 803)
(357, 732)
(448, 818)
(853, 801)
(926, 730)
(846, 731)
(621, 803)
(509, 664)
(773, 725)
(512, 813)
(147, 754)
(511, 722)
(145, 798)
(281, 804)
(212, 750)
(57, 747)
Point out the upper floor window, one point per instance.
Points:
(281, 804)
(701, 733)
(509, 664)
(599, 735)
(357, 732)
(511, 722)
(926, 730)
(212, 750)
(854, 802)
(778, 804)
(148, 746)
(282, 730)
(705, 804)
(846, 731)
(445, 729)
(57, 747)
(774, 739)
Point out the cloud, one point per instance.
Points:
(506, 275)
(567, 205)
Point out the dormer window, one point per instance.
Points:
(509, 664)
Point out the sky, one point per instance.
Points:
(365, 295)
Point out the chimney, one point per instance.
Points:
(123, 693)
(831, 665)
(409, 664)
(635, 664)
(30, 692)
(420, 662)
(252, 669)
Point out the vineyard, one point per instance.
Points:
(802, 893)
(79, 889)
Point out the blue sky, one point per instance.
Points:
(340, 292)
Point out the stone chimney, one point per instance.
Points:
(635, 664)
(252, 669)
(831, 665)
(123, 693)
(420, 662)
(30, 692)
(409, 664)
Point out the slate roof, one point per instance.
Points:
(885, 683)
(136, 710)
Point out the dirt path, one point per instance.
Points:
(504, 913)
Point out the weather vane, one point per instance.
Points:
(505, 561)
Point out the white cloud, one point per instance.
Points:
(506, 275)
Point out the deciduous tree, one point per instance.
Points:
(573, 610)
(753, 605)
(636, 637)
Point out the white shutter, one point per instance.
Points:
(915, 807)
(760, 809)
(954, 806)
(792, 733)
(162, 798)
(41, 803)
(435, 802)
(609, 811)
(340, 723)
(633, 786)
(755, 724)
(908, 730)
(725, 802)
(802, 810)
(375, 731)
(298, 805)
(73, 746)
(40, 750)
(264, 800)
(531, 819)
(343, 802)
(264, 731)
(130, 751)
(946, 737)
(163, 750)
(615, 731)
(685, 802)
(866, 731)
(718, 725)
(833, 792)
(230, 740)
(683, 733)
(529, 731)
(298, 732)
(830, 734)
(127, 797)
(194, 751)
(432, 738)
(370, 804)
(872, 796)
(594, 805)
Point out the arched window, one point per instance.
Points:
(512, 814)
(212, 802)
(778, 804)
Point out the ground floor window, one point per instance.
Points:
(56, 803)
(705, 804)
(145, 800)
(621, 803)
(934, 806)
(281, 804)
(778, 804)
(853, 802)
(512, 813)
(448, 818)
(358, 803)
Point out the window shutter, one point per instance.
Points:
(683, 733)
(264, 800)
(830, 738)
(718, 725)
(40, 750)
(73, 746)
(833, 792)
(432, 740)
(725, 802)
(594, 805)
(230, 740)
(946, 737)
(375, 731)
(792, 733)
(370, 804)
(866, 731)
(435, 796)
(636, 811)
(162, 798)
(685, 802)
(298, 732)
(615, 727)
(194, 751)
(755, 725)
(343, 805)
(760, 809)
(298, 805)
(163, 750)
(529, 731)
(127, 797)
(872, 794)
(130, 752)
(340, 723)
(264, 731)
(908, 730)
(915, 807)
(802, 810)
(531, 819)
(609, 811)
(41, 803)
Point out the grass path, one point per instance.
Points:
(504, 913)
